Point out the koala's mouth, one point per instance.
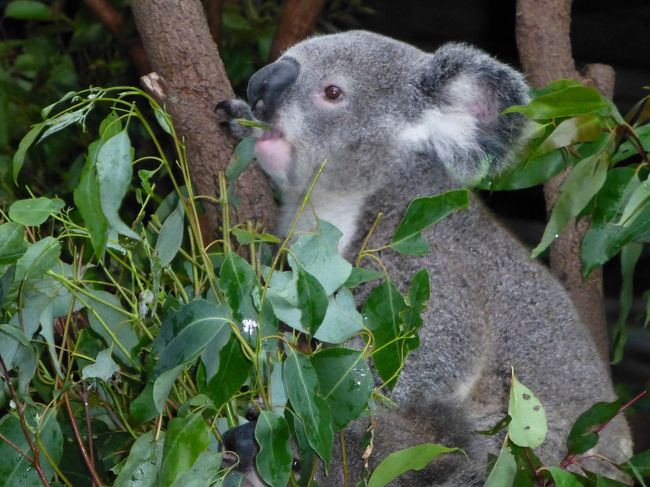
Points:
(273, 153)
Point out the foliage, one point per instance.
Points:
(573, 126)
(144, 344)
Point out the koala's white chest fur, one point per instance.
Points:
(341, 210)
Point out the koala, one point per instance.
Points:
(395, 123)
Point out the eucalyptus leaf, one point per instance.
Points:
(114, 174)
(170, 237)
(568, 102)
(274, 460)
(104, 367)
(237, 280)
(25, 143)
(27, 10)
(504, 471)
(12, 242)
(402, 461)
(583, 435)
(204, 472)
(527, 426)
(562, 478)
(580, 186)
(87, 201)
(422, 213)
(185, 333)
(312, 301)
(39, 258)
(163, 385)
(143, 463)
(186, 439)
(301, 383)
(345, 382)
(234, 369)
(34, 211)
(382, 311)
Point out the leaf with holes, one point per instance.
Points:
(528, 424)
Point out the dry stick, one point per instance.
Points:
(23, 424)
(80, 443)
(89, 426)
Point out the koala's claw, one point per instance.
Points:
(235, 110)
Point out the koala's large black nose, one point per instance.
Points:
(268, 86)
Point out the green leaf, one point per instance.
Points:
(497, 427)
(639, 464)
(638, 199)
(528, 426)
(87, 201)
(275, 458)
(630, 254)
(382, 311)
(186, 439)
(531, 172)
(562, 478)
(143, 408)
(16, 470)
(39, 258)
(242, 158)
(114, 174)
(312, 301)
(234, 369)
(246, 237)
(184, 333)
(163, 119)
(418, 298)
(27, 10)
(112, 322)
(345, 382)
(162, 386)
(568, 102)
(203, 473)
(318, 255)
(580, 186)
(583, 435)
(504, 471)
(103, 368)
(301, 383)
(399, 462)
(621, 182)
(143, 463)
(170, 237)
(12, 242)
(421, 213)
(237, 280)
(34, 211)
(582, 128)
(361, 275)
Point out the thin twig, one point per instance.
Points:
(15, 447)
(88, 414)
(20, 407)
(80, 442)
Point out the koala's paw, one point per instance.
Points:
(235, 110)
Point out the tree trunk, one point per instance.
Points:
(177, 40)
(297, 21)
(544, 43)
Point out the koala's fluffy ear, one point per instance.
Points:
(464, 92)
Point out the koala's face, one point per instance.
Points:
(334, 97)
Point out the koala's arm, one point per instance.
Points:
(236, 110)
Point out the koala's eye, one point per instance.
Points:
(333, 92)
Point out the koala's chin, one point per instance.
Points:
(273, 153)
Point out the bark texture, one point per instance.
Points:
(177, 40)
(544, 44)
(297, 21)
(214, 12)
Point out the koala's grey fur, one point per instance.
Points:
(407, 124)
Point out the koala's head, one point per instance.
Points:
(371, 106)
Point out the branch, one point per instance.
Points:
(214, 13)
(297, 21)
(20, 407)
(177, 40)
(80, 442)
(544, 43)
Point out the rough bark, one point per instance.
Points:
(177, 40)
(544, 44)
(114, 21)
(297, 21)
